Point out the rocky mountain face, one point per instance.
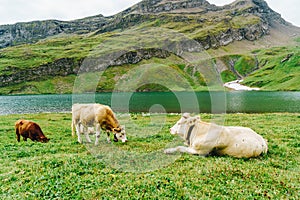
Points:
(69, 66)
(241, 20)
(186, 11)
(20, 33)
(170, 6)
(151, 10)
(61, 67)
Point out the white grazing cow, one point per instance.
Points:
(207, 138)
(98, 116)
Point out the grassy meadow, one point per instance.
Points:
(65, 169)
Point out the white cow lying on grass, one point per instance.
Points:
(85, 116)
(207, 138)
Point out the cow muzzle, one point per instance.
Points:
(172, 131)
(115, 138)
(44, 140)
(122, 139)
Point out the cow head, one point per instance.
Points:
(43, 140)
(183, 124)
(119, 134)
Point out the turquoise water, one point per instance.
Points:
(215, 102)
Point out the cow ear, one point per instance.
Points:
(186, 115)
(116, 130)
(192, 122)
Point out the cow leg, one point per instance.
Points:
(77, 126)
(183, 149)
(73, 128)
(86, 134)
(18, 135)
(98, 130)
(18, 138)
(108, 136)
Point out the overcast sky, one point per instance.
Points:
(12, 11)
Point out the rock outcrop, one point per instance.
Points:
(62, 67)
(67, 66)
(171, 6)
(29, 32)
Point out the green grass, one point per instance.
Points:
(52, 85)
(48, 50)
(228, 76)
(273, 74)
(245, 65)
(65, 169)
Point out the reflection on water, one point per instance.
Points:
(34, 104)
(263, 101)
(216, 102)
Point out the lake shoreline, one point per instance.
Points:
(164, 102)
(236, 85)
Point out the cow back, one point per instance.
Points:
(106, 117)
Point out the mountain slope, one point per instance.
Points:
(210, 25)
(237, 37)
(30, 32)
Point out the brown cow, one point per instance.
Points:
(98, 116)
(29, 130)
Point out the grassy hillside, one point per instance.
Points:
(64, 169)
(47, 51)
(279, 69)
(261, 68)
(272, 69)
(117, 75)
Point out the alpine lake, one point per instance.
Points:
(158, 102)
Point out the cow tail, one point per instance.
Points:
(266, 146)
(17, 134)
(73, 128)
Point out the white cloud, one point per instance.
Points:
(12, 11)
